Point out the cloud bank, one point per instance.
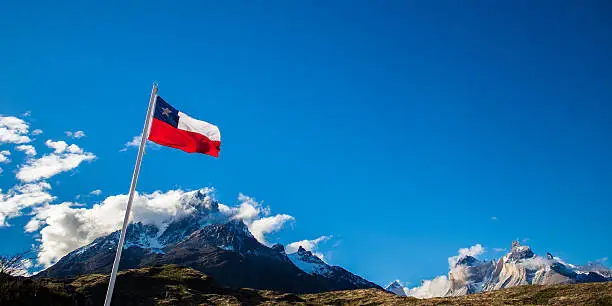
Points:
(157, 208)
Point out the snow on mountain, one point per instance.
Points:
(521, 266)
(209, 239)
(311, 264)
(396, 288)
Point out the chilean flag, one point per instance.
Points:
(175, 129)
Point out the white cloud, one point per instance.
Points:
(86, 224)
(37, 132)
(473, 251)
(29, 150)
(494, 218)
(57, 146)
(440, 285)
(64, 158)
(251, 212)
(308, 245)
(13, 130)
(260, 227)
(4, 154)
(249, 209)
(21, 197)
(96, 192)
(500, 250)
(437, 287)
(77, 134)
(134, 143)
(27, 114)
(158, 208)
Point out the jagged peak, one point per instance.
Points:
(307, 256)
(237, 228)
(467, 260)
(518, 252)
(236, 223)
(200, 199)
(395, 284)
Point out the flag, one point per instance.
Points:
(173, 128)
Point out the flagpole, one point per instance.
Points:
(143, 141)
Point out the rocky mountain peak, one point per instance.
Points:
(519, 252)
(301, 250)
(307, 256)
(237, 227)
(467, 260)
(200, 200)
(396, 288)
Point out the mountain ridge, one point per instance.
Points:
(227, 251)
(520, 266)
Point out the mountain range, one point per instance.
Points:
(227, 251)
(224, 248)
(521, 266)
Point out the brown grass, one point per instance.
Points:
(174, 285)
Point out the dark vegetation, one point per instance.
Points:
(175, 285)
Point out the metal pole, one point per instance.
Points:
(143, 142)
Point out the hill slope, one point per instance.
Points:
(174, 285)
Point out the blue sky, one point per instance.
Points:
(399, 127)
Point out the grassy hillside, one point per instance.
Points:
(174, 285)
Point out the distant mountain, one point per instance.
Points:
(228, 252)
(521, 266)
(337, 277)
(396, 288)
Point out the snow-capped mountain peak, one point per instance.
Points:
(396, 288)
(468, 260)
(199, 198)
(308, 262)
(521, 266)
(206, 236)
(518, 252)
